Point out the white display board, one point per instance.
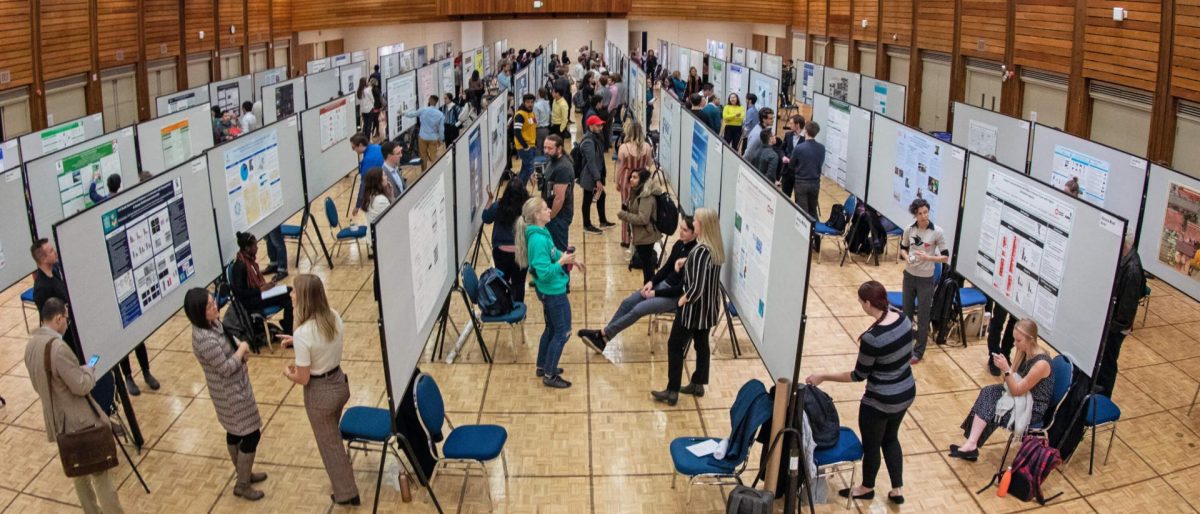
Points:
(846, 134)
(10, 155)
(349, 75)
(754, 60)
(15, 237)
(717, 75)
(181, 100)
(472, 182)
(446, 77)
(283, 99)
(59, 182)
(700, 165)
(766, 263)
(325, 132)
(497, 136)
(173, 139)
(737, 80)
(907, 163)
(739, 56)
(317, 65)
(992, 135)
(401, 98)
(256, 182)
(321, 87)
(1041, 254)
(637, 95)
(129, 262)
(766, 89)
(340, 60)
(414, 242)
(1169, 238)
(696, 59)
(468, 67)
(772, 66)
(883, 97)
(812, 81)
(427, 84)
(1108, 177)
(265, 78)
(408, 61)
(229, 94)
(358, 56)
(63, 135)
(842, 85)
(389, 65)
(669, 126)
(675, 62)
(521, 84)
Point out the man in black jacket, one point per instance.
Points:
(794, 136)
(1131, 287)
(805, 163)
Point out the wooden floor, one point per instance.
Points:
(601, 446)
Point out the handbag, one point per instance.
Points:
(87, 451)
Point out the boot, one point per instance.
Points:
(254, 477)
(693, 389)
(131, 386)
(243, 489)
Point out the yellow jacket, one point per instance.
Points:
(558, 114)
(733, 115)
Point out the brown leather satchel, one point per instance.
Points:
(87, 451)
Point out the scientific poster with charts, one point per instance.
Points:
(427, 84)
(63, 136)
(427, 242)
(666, 124)
(1023, 245)
(348, 77)
(716, 75)
(837, 142)
(918, 172)
(737, 81)
(981, 139)
(77, 172)
(176, 145)
(498, 131)
(446, 72)
(809, 81)
(739, 56)
(1091, 172)
(879, 96)
(754, 60)
(475, 157)
(1179, 246)
(753, 223)
(252, 179)
(334, 118)
(699, 164)
(229, 99)
(149, 251)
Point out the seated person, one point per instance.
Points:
(659, 295)
(1029, 389)
(248, 284)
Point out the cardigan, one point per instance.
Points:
(702, 287)
(228, 380)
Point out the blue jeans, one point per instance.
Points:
(635, 307)
(559, 228)
(276, 251)
(526, 157)
(557, 310)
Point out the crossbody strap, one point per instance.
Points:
(49, 376)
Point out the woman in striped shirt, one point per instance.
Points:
(699, 307)
(883, 361)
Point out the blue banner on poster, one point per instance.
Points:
(699, 163)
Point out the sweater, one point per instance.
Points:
(883, 361)
(502, 234)
(734, 115)
(549, 277)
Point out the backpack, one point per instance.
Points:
(837, 217)
(666, 214)
(577, 159)
(822, 417)
(579, 100)
(866, 236)
(494, 296)
(746, 500)
(1033, 463)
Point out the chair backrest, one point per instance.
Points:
(470, 282)
(750, 410)
(331, 212)
(104, 392)
(1062, 371)
(430, 409)
(851, 203)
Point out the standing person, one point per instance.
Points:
(561, 179)
(223, 360)
(560, 116)
(677, 85)
(634, 154)
(370, 156)
(551, 278)
(450, 113)
(63, 386)
(591, 179)
(733, 115)
(391, 171)
(923, 247)
(751, 119)
(429, 137)
(504, 214)
(694, 82)
(805, 165)
(48, 282)
(651, 63)
(541, 113)
(248, 121)
(504, 78)
(789, 80)
(475, 90)
(713, 113)
(1131, 287)
(766, 123)
(763, 156)
(883, 352)
(639, 213)
(699, 308)
(379, 194)
(318, 368)
(366, 105)
(524, 136)
(793, 137)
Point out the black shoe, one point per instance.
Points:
(542, 373)
(607, 225)
(993, 369)
(845, 493)
(355, 501)
(693, 389)
(556, 382)
(281, 274)
(591, 229)
(593, 339)
(624, 245)
(667, 397)
(270, 269)
(151, 381)
(897, 499)
(970, 456)
(131, 386)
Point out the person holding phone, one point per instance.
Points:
(223, 359)
(249, 286)
(551, 270)
(922, 247)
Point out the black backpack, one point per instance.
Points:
(822, 417)
(837, 217)
(577, 158)
(666, 214)
(866, 235)
(746, 500)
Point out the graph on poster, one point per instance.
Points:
(918, 172)
(754, 220)
(1091, 172)
(252, 179)
(837, 142)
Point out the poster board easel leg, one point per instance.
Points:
(304, 224)
(127, 408)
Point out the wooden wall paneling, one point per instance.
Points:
(16, 42)
(1185, 57)
(37, 93)
(117, 27)
(93, 94)
(66, 38)
(231, 14)
(760, 11)
(958, 63)
(936, 25)
(839, 19)
(1010, 87)
(818, 17)
(199, 16)
(1124, 52)
(912, 111)
(258, 21)
(161, 28)
(1079, 102)
(984, 28)
(181, 72)
(800, 18)
(323, 14)
(896, 20)
(281, 19)
(1044, 34)
(865, 10)
(141, 74)
(1163, 121)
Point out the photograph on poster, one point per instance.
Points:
(1181, 231)
(1090, 172)
(918, 171)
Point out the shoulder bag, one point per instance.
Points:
(87, 451)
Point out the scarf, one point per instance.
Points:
(254, 277)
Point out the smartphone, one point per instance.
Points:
(92, 361)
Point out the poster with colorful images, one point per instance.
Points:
(252, 178)
(753, 231)
(1181, 231)
(1091, 172)
(699, 164)
(918, 172)
(77, 172)
(475, 156)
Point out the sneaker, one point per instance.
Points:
(593, 339)
(542, 373)
(556, 382)
(606, 225)
(593, 230)
(282, 274)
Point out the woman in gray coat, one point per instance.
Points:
(224, 362)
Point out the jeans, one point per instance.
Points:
(559, 228)
(96, 493)
(588, 196)
(635, 307)
(526, 157)
(649, 260)
(807, 192)
(1000, 333)
(276, 250)
(918, 298)
(557, 310)
(506, 262)
(677, 344)
(881, 431)
(1106, 378)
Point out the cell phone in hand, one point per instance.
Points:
(93, 360)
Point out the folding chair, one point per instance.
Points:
(833, 461)
(1062, 370)
(364, 427)
(823, 231)
(515, 318)
(750, 410)
(27, 304)
(466, 446)
(356, 234)
(1100, 412)
(251, 317)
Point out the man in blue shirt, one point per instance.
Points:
(806, 162)
(751, 119)
(429, 143)
(372, 157)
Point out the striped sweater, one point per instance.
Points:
(883, 361)
(702, 286)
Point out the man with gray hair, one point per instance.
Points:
(1131, 287)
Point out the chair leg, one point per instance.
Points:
(504, 463)
(487, 485)
(1194, 396)
(379, 478)
(691, 485)
(1110, 442)
(819, 248)
(674, 477)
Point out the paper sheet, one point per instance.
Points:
(703, 448)
(278, 290)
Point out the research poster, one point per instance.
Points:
(318, 65)
(666, 124)
(754, 60)
(981, 139)
(498, 132)
(918, 171)
(809, 81)
(62, 136)
(77, 172)
(716, 75)
(739, 56)
(753, 223)
(8, 155)
(427, 242)
(252, 179)
(427, 84)
(737, 81)
(229, 99)
(402, 98)
(521, 84)
(149, 251)
(637, 94)
(766, 89)
(334, 119)
(181, 102)
(446, 73)
(406, 61)
(1091, 172)
(838, 87)
(1180, 241)
(348, 79)
(475, 156)
(1023, 245)
(879, 97)
(489, 61)
(772, 66)
(176, 145)
(285, 101)
(684, 57)
(699, 164)
(837, 142)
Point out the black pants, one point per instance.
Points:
(143, 358)
(246, 443)
(283, 301)
(1106, 378)
(1000, 333)
(368, 123)
(677, 344)
(787, 181)
(649, 260)
(881, 431)
(807, 193)
(588, 196)
(733, 135)
(506, 262)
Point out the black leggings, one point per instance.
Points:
(588, 196)
(677, 344)
(881, 431)
(143, 358)
(506, 262)
(648, 259)
(246, 443)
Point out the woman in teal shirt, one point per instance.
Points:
(550, 271)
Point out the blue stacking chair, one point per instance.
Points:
(750, 410)
(515, 318)
(1062, 371)
(27, 303)
(362, 429)
(467, 446)
(293, 233)
(848, 452)
(893, 232)
(1101, 412)
(352, 233)
(823, 231)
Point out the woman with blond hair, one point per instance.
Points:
(699, 307)
(550, 270)
(318, 344)
(634, 154)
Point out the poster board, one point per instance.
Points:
(173, 139)
(427, 84)
(497, 136)
(521, 84)
(739, 55)
(180, 100)
(766, 89)
(414, 240)
(340, 60)
(1108, 177)
(317, 65)
(812, 81)
(129, 262)
(401, 98)
(842, 85)
(229, 94)
(10, 155)
(637, 94)
(766, 267)
(283, 99)
(256, 182)
(674, 63)
(1065, 251)
(1169, 239)
(358, 56)
(697, 60)
(15, 236)
(700, 165)
(348, 77)
(907, 163)
(772, 66)
(325, 132)
(321, 87)
(468, 67)
(717, 71)
(846, 134)
(408, 61)
(267, 77)
(389, 65)
(883, 97)
(446, 77)
(63, 135)
(754, 60)
(737, 80)
(669, 124)
(59, 182)
(472, 182)
(992, 135)
(422, 56)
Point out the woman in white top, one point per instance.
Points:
(366, 105)
(377, 193)
(318, 343)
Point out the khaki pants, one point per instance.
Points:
(96, 493)
(428, 151)
(324, 399)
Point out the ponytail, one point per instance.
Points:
(875, 295)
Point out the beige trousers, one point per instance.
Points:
(428, 151)
(324, 399)
(96, 493)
